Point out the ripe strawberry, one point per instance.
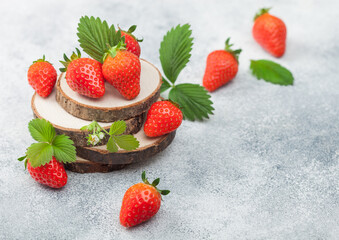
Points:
(132, 43)
(141, 202)
(221, 67)
(84, 75)
(42, 77)
(52, 174)
(163, 117)
(270, 32)
(122, 70)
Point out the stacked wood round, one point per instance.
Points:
(68, 111)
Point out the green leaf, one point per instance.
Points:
(117, 128)
(84, 128)
(156, 182)
(143, 176)
(39, 154)
(91, 127)
(175, 51)
(261, 12)
(96, 37)
(64, 151)
(41, 130)
(111, 145)
(165, 85)
(271, 72)
(193, 99)
(26, 161)
(22, 158)
(127, 142)
(164, 192)
(132, 28)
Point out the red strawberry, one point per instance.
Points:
(132, 43)
(52, 174)
(221, 67)
(163, 117)
(122, 70)
(141, 202)
(270, 32)
(42, 77)
(84, 75)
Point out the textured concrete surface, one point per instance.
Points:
(265, 166)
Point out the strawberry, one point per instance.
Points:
(84, 75)
(42, 77)
(122, 70)
(52, 174)
(221, 67)
(132, 43)
(163, 117)
(141, 202)
(270, 32)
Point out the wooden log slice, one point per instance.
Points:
(69, 125)
(148, 147)
(84, 166)
(112, 106)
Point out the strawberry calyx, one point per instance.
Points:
(153, 184)
(67, 61)
(130, 32)
(174, 103)
(112, 51)
(261, 12)
(228, 46)
(41, 60)
(24, 158)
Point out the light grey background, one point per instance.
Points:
(265, 166)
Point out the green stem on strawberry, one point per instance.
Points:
(112, 51)
(48, 145)
(261, 12)
(67, 61)
(228, 48)
(154, 184)
(43, 59)
(130, 32)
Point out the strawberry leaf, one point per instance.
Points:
(41, 130)
(271, 72)
(39, 154)
(165, 85)
(117, 128)
(193, 99)
(127, 142)
(175, 51)
(63, 148)
(111, 145)
(96, 37)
